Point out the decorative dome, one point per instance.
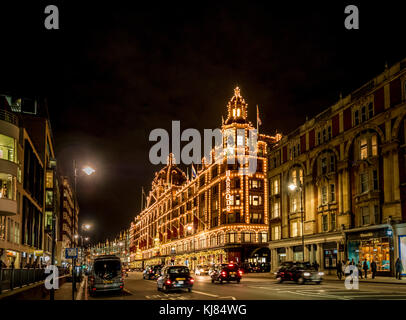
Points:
(237, 108)
(170, 174)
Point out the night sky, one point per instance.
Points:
(114, 72)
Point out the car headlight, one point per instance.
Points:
(275, 273)
(306, 274)
(321, 273)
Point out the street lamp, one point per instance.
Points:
(87, 170)
(299, 188)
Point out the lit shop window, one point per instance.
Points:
(7, 148)
(7, 186)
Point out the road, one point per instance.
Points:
(256, 288)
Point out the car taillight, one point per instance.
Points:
(240, 272)
(191, 280)
(94, 289)
(223, 273)
(168, 281)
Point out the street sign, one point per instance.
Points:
(71, 253)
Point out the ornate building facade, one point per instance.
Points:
(346, 170)
(219, 216)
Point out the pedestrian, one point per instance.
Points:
(339, 269)
(352, 263)
(316, 265)
(359, 266)
(373, 268)
(399, 269)
(365, 267)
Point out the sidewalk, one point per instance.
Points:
(65, 291)
(388, 280)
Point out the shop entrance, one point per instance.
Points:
(372, 246)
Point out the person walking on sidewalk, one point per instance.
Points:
(359, 266)
(373, 268)
(339, 269)
(316, 265)
(399, 269)
(365, 267)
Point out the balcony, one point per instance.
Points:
(8, 207)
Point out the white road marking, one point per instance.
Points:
(206, 294)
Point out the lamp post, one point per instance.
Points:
(88, 170)
(299, 188)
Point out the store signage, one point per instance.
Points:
(366, 235)
(228, 191)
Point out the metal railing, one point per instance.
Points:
(9, 117)
(11, 279)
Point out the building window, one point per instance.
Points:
(363, 114)
(276, 233)
(364, 182)
(364, 148)
(323, 165)
(7, 148)
(356, 117)
(276, 186)
(324, 222)
(7, 186)
(324, 195)
(294, 229)
(329, 132)
(374, 145)
(333, 221)
(332, 193)
(263, 237)
(294, 204)
(237, 200)
(255, 200)
(375, 179)
(319, 138)
(370, 110)
(231, 237)
(377, 215)
(365, 215)
(276, 209)
(332, 164)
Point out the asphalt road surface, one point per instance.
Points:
(255, 288)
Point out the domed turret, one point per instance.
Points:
(237, 108)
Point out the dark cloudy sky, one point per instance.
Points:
(114, 72)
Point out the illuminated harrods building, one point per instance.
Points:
(345, 171)
(189, 221)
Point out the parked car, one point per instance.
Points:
(202, 270)
(152, 272)
(175, 277)
(300, 272)
(106, 275)
(226, 272)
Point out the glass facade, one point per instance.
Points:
(377, 249)
(7, 186)
(8, 148)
